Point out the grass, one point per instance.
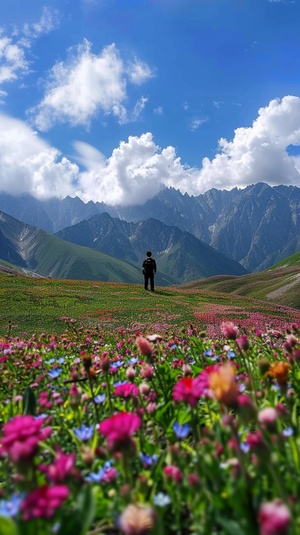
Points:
(35, 305)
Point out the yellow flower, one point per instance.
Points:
(223, 385)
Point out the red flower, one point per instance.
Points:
(120, 427)
(190, 389)
(43, 501)
(21, 437)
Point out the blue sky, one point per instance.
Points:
(112, 99)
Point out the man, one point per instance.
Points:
(149, 270)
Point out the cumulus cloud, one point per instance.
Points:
(258, 153)
(29, 165)
(14, 48)
(138, 168)
(86, 84)
(134, 172)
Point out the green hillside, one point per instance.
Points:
(279, 284)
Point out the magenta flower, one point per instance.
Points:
(189, 389)
(274, 518)
(120, 427)
(61, 468)
(43, 501)
(126, 390)
(21, 437)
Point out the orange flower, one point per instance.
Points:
(280, 370)
(223, 385)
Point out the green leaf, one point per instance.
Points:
(87, 507)
(29, 401)
(79, 519)
(7, 526)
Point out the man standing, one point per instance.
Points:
(149, 270)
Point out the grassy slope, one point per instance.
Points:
(34, 305)
(280, 284)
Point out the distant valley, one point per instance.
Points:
(218, 233)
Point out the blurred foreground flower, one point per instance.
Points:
(21, 437)
(279, 370)
(43, 501)
(137, 519)
(274, 518)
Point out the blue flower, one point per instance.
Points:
(11, 507)
(84, 432)
(288, 432)
(99, 398)
(245, 447)
(208, 353)
(133, 360)
(231, 354)
(61, 360)
(96, 477)
(54, 373)
(181, 431)
(161, 500)
(117, 364)
(148, 460)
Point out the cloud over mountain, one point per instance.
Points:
(138, 167)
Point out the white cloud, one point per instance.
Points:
(133, 173)
(29, 165)
(13, 48)
(197, 122)
(159, 110)
(257, 153)
(86, 84)
(138, 168)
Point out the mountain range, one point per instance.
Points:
(218, 232)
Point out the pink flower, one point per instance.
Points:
(120, 427)
(173, 472)
(43, 501)
(147, 371)
(126, 390)
(274, 518)
(60, 469)
(189, 389)
(229, 330)
(243, 342)
(144, 346)
(21, 437)
(268, 418)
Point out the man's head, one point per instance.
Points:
(148, 253)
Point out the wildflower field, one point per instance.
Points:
(168, 424)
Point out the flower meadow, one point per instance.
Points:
(142, 432)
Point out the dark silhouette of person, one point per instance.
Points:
(149, 270)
